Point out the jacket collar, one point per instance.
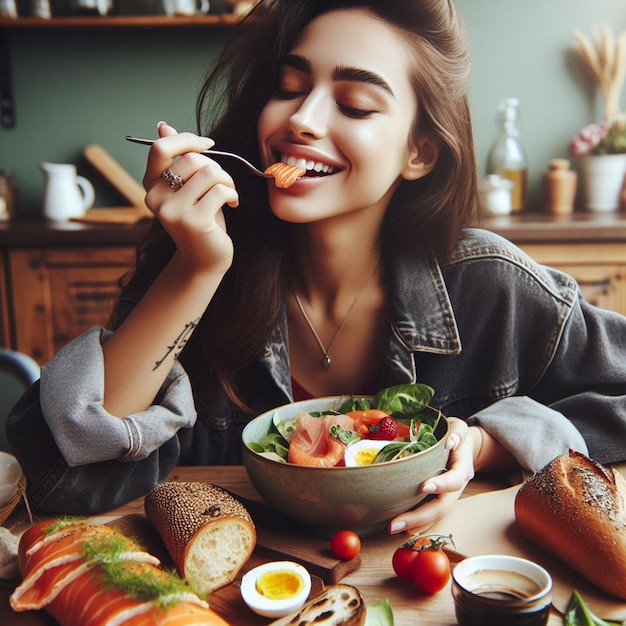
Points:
(422, 319)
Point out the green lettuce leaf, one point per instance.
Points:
(379, 614)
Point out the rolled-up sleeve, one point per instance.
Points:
(532, 432)
(83, 431)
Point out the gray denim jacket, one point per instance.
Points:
(506, 344)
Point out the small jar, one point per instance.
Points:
(559, 184)
(495, 590)
(495, 195)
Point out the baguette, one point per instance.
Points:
(337, 605)
(208, 533)
(574, 509)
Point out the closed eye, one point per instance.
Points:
(285, 94)
(353, 112)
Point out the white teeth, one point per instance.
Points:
(314, 166)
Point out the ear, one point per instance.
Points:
(422, 158)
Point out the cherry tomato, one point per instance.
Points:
(403, 562)
(431, 570)
(345, 544)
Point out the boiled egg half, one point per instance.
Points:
(363, 452)
(276, 589)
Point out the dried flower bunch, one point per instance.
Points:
(604, 57)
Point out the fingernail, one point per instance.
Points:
(429, 488)
(208, 141)
(161, 123)
(396, 527)
(452, 441)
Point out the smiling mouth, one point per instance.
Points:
(313, 168)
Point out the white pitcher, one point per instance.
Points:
(67, 195)
(186, 7)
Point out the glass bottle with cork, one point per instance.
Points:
(506, 156)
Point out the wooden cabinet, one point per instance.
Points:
(59, 293)
(599, 268)
(589, 247)
(58, 280)
(62, 284)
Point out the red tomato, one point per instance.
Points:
(403, 562)
(431, 570)
(345, 544)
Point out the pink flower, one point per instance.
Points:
(600, 138)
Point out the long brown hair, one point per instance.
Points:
(426, 214)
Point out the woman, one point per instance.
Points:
(357, 277)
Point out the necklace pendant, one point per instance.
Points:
(326, 362)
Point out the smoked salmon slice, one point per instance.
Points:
(311, 442)
(285, 175)
(63, 577)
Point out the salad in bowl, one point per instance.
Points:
(344, 462)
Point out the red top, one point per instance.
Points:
(300, 393)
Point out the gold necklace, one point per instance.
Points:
(325, 361)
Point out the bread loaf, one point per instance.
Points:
(207, 532)
(574, 509)
(337, 605)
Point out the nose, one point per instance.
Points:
(311, 117)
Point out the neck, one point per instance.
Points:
(331, 264)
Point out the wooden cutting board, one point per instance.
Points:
(277, 539)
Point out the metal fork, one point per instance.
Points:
(232, 155)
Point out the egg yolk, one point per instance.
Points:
(365, 456)
(279, 585)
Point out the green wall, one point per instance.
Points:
(76, 87)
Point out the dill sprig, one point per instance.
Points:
(140, 583)
(63, 522)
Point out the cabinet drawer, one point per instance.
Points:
(57, 294)
(602, 285)
(599, 268)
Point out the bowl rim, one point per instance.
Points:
(258, 456)
(504, 562)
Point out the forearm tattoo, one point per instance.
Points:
(179, 343)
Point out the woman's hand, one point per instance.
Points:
(191, 213)
(465, 445)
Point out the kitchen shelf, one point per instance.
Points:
(7, 100)
(120, 21)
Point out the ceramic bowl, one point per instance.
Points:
(362, 498)
(501, 589)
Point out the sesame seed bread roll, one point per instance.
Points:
(574, 509)
(207, 532)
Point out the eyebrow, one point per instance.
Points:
(351, 74)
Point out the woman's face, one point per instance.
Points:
(345, 107)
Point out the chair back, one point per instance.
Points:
(18, 371)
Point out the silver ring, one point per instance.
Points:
(172, 179)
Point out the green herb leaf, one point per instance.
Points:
(404, 401)
(286, 427)
(274, 442)
(379, 614)
(355, 404)
(345, 436)
(120, 573)
(578, 613)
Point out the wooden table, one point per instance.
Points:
(375, 578)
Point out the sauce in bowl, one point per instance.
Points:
(498, 590)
